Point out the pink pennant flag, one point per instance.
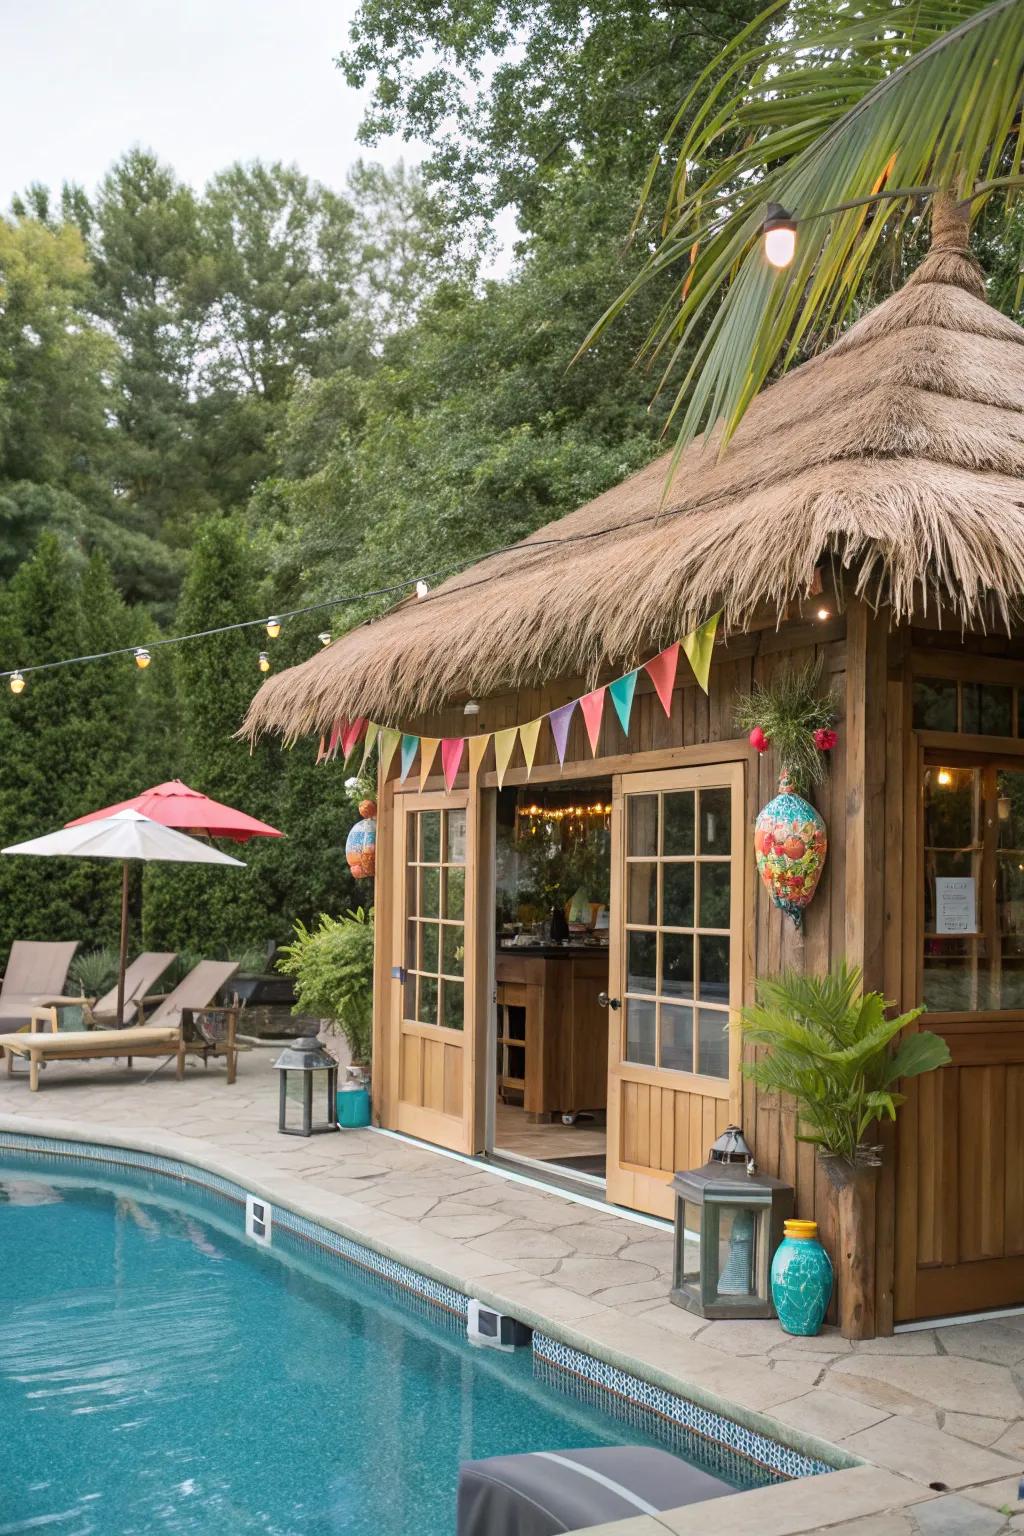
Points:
(560, 720)
(661, 670)
(452, 748)
(592, 706)
(351, 736)
(332, 745)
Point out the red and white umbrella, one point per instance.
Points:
(175, 805)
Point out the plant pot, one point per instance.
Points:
(354, 1102)
(801, 1279)
(854, 1188)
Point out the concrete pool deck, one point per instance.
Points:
(936, 1406)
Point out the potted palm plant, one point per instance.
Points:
(830, 1045)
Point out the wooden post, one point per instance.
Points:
(855, 1190)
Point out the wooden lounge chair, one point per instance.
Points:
(139, 979)
(35, 978)
(170, 1031)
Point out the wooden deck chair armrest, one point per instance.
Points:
(63, 1000)
(42, 1016)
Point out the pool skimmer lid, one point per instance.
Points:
(495, 1330)
(259, 1219)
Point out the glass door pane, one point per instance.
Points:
(435, 897)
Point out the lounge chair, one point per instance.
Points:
(35, 978)
(139, 979)
(170, 1031)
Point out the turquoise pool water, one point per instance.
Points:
(161, 1374)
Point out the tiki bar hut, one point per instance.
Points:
(568, 901)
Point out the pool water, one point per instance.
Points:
(160, 1373)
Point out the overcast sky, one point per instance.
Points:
(202, 82)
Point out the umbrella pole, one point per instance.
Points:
(123, 959)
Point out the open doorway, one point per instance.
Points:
(550, 1065)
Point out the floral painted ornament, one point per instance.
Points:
(790, 846)
(361, 843)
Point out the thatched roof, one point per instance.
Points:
(897, 454)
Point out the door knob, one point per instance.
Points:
(604, 1001)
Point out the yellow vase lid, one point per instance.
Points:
(804, 1229)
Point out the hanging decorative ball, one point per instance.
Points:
(758, 740)
(361, 843)
(790, 846)
(825, 740)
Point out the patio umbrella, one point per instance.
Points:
(175, 805)
(126, 835)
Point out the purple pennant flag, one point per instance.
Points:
(560, 720)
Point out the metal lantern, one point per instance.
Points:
(309, 1084)
(729, 1221)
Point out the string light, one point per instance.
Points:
(779, 235)
(471, 707)
(422, 589)
(17, 683)
(142, 658)
(324, 637)
(273, 627)
(824, 613)
(264, 662)
(562, 812)
(945, 778)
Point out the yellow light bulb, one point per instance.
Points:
(824, 613)
(324, 637)
(142, 657)
(945, 778)
(273, 627)
(264, 662)
(17, 683)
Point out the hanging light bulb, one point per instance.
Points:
(422, 588)
(142, 657)
(824, 613)
(324, 637)
(945, 778)
(273, 627)
(264, 662)
(471, 707)
(779, 235)
(17, 683)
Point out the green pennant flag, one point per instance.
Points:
(389, 740)
(622, 691)
(369, 740)
(410, 746)
(699, 647)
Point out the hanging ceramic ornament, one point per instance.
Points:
(361, 843)
(790, 845)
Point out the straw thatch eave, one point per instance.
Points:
(897, 455)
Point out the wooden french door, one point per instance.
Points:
(675, 974)
(960, 1228)
(431, 1041)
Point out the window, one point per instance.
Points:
(973, 938)
(976, 709)
(435, 908)
(678, 893)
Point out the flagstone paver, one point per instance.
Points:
(933, 1406)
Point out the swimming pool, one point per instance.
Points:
(159, 1372)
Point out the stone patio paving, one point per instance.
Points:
(941, 1406)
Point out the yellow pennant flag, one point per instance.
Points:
(372, 732)
(504, 746)
(699, 646)
(388, 747)
(529, 735)
(428, 751)
(477, 752)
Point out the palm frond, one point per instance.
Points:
(819, 108)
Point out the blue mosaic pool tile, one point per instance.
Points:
(644, 1396)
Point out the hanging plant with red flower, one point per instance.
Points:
(794, 716)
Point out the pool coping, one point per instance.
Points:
(569, 1344)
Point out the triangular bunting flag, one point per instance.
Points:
(428, 751)
(351, 736)
(452, 748)
(477, 752)
(410, 746)
(369, 742)
(661, 670)
(321, 751)
(560, 721)
(622, 691)
(699, 647)
(592, 707)
(528, 735)
(389, 740)
(332, 745)
(504, 746)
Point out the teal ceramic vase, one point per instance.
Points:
(801, 1279)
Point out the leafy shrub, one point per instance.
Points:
(332, 965)
(832, 1048)
(94, 972)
